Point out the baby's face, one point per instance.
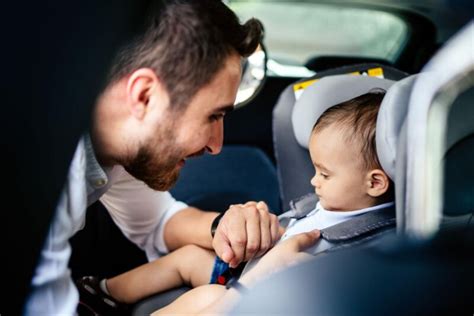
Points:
(340, 180)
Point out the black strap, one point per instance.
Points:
(215, 223)
(364, 224)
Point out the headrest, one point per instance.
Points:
(333, 90)
(323, 94)
(390, 118)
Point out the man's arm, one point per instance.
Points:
(52, 289)
(140, 212)
(158, 223)
(189, 226)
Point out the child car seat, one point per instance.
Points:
(403, 275)
(313, 102)
(294, 167)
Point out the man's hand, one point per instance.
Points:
(244, 232)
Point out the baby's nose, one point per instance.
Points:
(314, 182)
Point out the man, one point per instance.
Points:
(165, 101)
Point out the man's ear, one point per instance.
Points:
(141, 87)
(377, 182)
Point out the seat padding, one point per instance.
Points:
(237, 175)
(459, 175)
(325, 93)
(294, 165)
(390, 119)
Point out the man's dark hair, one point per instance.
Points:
(186, 45)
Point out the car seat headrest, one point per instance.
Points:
(325, 93)
(333, 90)
(390, 118)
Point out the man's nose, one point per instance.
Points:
(216, 139)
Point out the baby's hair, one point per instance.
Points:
(357, 119)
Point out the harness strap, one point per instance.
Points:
(360, 225)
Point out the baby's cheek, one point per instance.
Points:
(329, 206)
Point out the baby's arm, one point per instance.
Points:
(215, 299)
(190, 265)
(194, 301)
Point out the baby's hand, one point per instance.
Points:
(283, 255)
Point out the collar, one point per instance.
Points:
(354, 212)
(96, 176)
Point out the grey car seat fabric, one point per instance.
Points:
(327, 92)
(458, 170)
(391, 136)
(294, 168)
(439, 123)
(153, 303)
(458, 166)
(459, 158)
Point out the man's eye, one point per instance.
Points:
(216, 117)
(325, 176)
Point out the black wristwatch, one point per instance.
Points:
(215, 223)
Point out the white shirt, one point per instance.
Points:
(319, 218)
(140, 212)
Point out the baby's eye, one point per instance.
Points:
(322, 174)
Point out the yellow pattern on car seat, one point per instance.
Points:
(299, 87)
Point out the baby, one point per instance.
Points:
(348, 180)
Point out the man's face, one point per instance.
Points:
(187, 133)
(340, 178)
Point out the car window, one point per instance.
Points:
(297, 31)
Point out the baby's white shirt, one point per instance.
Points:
(319, 218)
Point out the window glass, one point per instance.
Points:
(297, 31)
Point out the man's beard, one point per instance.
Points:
(156, 165)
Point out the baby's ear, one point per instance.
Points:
(377, 183)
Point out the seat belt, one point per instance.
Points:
(357, 230)
(299, 208)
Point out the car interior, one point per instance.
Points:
(420, 51)
(425, 268)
